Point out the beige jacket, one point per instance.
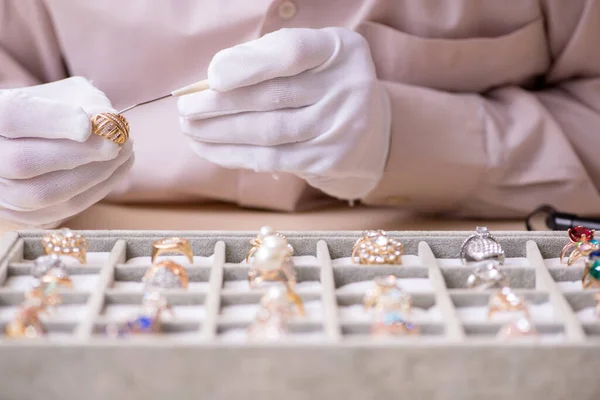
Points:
(496, 104)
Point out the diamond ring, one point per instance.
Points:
(520, 327)
(506, 301)
(66, 243)
(481, 246)
(166, 275)
(375, 247)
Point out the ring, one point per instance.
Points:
(386, 295)
(66, 243)
(43, 264)
(375, 247)
(148, 319)
(520, 327)
(172, 245)
(113, 127)
(166, 275)
(591, 272)
(257, 241)
(283, 301)
(272, 263)
(267, 325)
(487, 275)
(27, 323)
(581, 243)
(481, 246)
(506, 301)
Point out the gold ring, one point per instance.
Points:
(272, 263)
(172, 245)
(113, 127)
(257, 241)
(520, 327)
(27, 323)
(506, 301)
(66, 243)
(387, 295)
(276, 307)
(375, 247)
(166, 275)
(581, 244)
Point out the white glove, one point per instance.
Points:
(51, 165)
(302, 101)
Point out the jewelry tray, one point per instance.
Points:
(330, 354)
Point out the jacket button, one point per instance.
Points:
(287, 9)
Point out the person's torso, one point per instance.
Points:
(140, 49)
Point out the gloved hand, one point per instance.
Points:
(302, 101)
(51, 165)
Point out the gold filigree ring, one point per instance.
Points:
(113, 127)
(172, 245)
(507, 301)
(375, 247)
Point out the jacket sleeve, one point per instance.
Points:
(29, 50)
(504, 151)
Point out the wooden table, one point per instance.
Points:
(228, 217)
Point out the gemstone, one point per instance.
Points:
(144, 322)
(577, 232)
(594, 242)
(595, 254)
(482, 231)
(381, 241)
(584, 246)
(595, 270)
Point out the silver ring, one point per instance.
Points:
(481, 246)
(487, 275)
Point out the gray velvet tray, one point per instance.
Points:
(203, 354)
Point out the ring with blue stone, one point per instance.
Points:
(148, 319)
(591, 273)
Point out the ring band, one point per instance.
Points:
(506, 301)
(481, 246)
(166, 275)
(376, 248)
(581, 244)
(172, 245)
(66, 243)
(258, 240)
(111, 126)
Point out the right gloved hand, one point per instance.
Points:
(51, 165)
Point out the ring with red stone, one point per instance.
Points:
(272, 263)
(258, 240)
(66, 243)
(521, 327)
(581, 244)
(376, 248)
(507, 301)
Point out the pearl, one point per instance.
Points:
(266, 231)
(264, 258)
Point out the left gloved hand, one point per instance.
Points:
(302, 101)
